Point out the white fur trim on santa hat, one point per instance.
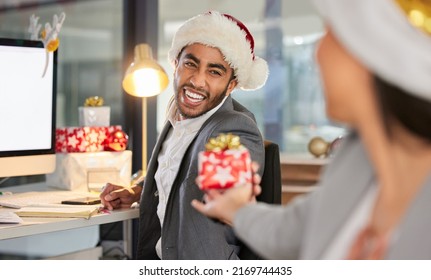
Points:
(379, 34)
(216, 30)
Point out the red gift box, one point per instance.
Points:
(223, 169)
(82, 139)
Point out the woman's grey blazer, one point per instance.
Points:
(304, 228)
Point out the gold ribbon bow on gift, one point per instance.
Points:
(94, 101)
(223, 142)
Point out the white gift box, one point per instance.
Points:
(94, 116)
(91, 171)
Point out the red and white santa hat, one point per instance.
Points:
(232, 38)
(392, 38)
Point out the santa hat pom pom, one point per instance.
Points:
(258, 74)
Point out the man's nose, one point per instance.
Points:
(198, 79)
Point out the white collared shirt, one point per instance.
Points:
(171, 154)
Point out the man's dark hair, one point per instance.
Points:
(412, 112)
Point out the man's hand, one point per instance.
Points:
(115, 197)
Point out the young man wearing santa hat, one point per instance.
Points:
(212, 55)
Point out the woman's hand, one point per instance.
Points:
(224, 205)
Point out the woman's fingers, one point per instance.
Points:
(199, 206)
(254, 166)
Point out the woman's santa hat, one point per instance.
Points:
(384, 37)
(232, 38)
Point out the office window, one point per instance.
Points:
(90, 53)
(290, 109)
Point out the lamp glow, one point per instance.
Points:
(147, 82)
(144, 78)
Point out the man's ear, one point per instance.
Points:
(232, 85)
(176, 63)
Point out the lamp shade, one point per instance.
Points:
(144, 77)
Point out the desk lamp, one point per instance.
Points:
(144, 78)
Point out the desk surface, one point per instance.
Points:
(32, 226)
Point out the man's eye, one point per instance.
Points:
(214, 72)
(189, 64)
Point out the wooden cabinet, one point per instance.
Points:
(299, 174)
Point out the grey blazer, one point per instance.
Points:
(187, 234)
(304, 228)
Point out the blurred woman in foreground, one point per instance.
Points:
(374, 198)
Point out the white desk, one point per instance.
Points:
(33, 226)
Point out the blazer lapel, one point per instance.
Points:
(344, 182)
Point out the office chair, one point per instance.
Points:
(271, 178)
(271, 187)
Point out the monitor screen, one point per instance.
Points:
(27, 108)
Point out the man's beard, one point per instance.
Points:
(214, 104)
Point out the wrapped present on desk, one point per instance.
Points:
(224, 163)
(90, 171)
(93, 113)
(87, 139)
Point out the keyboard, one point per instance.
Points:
(19, 200)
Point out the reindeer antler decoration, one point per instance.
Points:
(49, 35)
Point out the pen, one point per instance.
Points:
(137, 178)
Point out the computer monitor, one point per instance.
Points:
(27, 108)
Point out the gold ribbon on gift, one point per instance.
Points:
(418, 12)
(94, 101)
(223, 142)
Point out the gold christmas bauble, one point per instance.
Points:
(318, 147)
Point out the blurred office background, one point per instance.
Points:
(98, 36)
(96, 46)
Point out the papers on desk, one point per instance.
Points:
(36, 198)
(48, 204)
(59, 212)
(9, 218)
